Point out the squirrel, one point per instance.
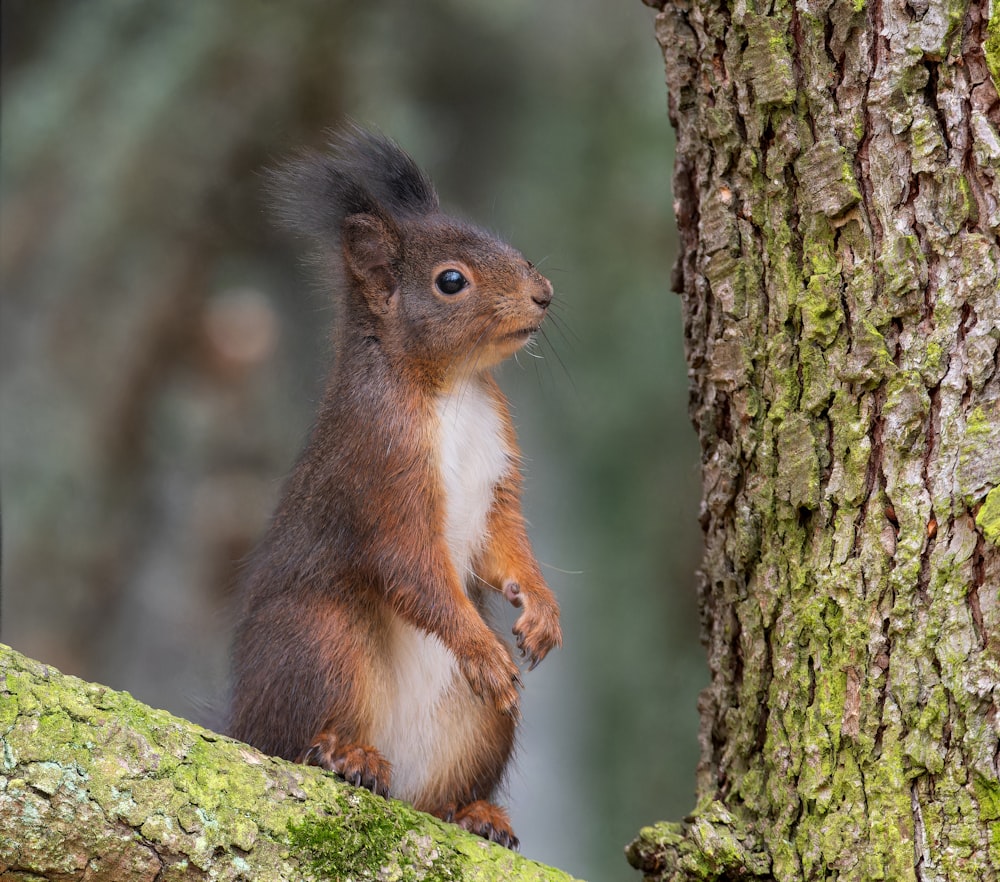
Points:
(362, 645)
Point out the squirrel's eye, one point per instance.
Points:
(450, 281)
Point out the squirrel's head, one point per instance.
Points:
(445, 296)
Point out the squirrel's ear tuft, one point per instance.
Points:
(364, 173)
(386, 171)
(313, 194)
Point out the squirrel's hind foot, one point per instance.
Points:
(484, 819)
(358, 764)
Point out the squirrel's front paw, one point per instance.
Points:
(493, 676)
(537, 631)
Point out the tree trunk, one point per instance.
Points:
(96, 786)
(837, 194)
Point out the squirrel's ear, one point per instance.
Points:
(370, 247)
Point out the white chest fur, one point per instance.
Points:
(473, 458)
(430, 718)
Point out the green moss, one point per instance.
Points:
(903, 265)
(817, 389)
(365, 841)
(992, 46)
(852, 449)
(9, 709)
(710, 846)
(820, 309)
(988, 796)
(817, 761)
(923, 744)
(785, 276)
(988, 518)
(819, 256)
(798, 479)
(925, 135)
(967, 200)
(363, 847)
(207, 801)
(205, 783)
(769, 60)
(870, 361)
(935, 358)
(887, 791)
(978, 425)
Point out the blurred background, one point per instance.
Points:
(162, 347)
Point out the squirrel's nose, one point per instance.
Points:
(543, 296)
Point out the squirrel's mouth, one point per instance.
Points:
(521, 333)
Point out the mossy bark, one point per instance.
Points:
(96, 786)
(838, 200)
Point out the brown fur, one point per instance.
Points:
(355, 562)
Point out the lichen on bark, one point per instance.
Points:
(838, 201)
(96, 786)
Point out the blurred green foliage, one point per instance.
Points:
(143, 438)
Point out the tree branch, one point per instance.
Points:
(709, 846)
(97, 786)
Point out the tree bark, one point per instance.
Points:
(837, 194)
(96, 786)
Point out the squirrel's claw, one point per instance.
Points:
(489, 821)
(358, 764)
(537, 632)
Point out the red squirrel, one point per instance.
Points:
(362, 645)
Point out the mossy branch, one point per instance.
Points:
(709, 846)
(97, 785)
